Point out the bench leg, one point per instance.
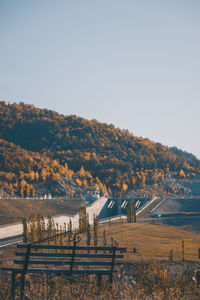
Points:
(13, 285)
(71, 278)
(22, 285)
(111, 278)
(99, 277)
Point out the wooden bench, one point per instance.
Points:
(64, 260)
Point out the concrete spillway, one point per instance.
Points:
(118, 206)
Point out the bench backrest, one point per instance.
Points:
(67, 257)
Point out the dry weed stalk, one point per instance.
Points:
(144, 280)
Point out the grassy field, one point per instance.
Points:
(13, 210)
(153, 241)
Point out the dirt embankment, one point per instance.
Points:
(13, 210)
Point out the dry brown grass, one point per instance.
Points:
(149, 280)
(153, 241)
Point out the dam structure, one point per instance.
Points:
(117, 206)
(105, 208)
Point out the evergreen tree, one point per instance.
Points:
(83, 220)
(49, 226)
(61, 235)
(25, 230)
(88, 236)
(131, 213)
(96, 221)
(104, 238)
(39, 228)
(65, 229)
(33, 226)
(43, 228)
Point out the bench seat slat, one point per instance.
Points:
(85, 255)
(64, 262)
(60, 247)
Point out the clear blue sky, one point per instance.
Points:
(135, 64)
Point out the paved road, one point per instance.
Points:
(11, 240)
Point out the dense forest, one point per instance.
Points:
(42, 150)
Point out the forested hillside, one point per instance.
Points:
(55, 147)
(27, 173)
